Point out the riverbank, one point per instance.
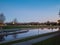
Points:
(28, 38)
(30, 26)
(30, 42)
(51, 41)
(26, 27)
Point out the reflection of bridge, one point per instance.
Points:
(14, 32)
(11, 33)
(1, 38)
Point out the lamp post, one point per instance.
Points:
(38, 31)
(58, 23)
(59, 14)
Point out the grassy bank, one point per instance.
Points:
(28, 38)
(51, 41)
(28, 26)
(21, 26)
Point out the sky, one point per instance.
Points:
(30, 10)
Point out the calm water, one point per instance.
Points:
(30, 32)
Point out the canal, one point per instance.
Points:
(29, 32)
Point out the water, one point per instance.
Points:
(30, 32)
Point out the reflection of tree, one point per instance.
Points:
(59, 29)
(49, 28)
(1, 38)
(6, 35)
(42, 28)
(38, 31)
(14, 36)
(52, 29)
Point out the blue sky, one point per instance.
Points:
(30, 10)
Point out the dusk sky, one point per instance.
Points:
(30, 10)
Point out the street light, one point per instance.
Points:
(59, 13)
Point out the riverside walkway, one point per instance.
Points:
(30, 42)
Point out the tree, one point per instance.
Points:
(59, 13)
(15, 21)
(48, 22)
(2, 18)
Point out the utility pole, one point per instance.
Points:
(59, 13)
(59, 20)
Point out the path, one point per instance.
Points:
(30, 42)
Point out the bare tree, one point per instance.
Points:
(2, 18)
(15, 21)
(59, 13)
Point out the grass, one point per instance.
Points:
(51, 41)
(28, 38)
(28, 26)
(20, 26)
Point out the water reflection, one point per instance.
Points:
(59, 29)
(14, 36)
(2, 38)
(30, 32)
